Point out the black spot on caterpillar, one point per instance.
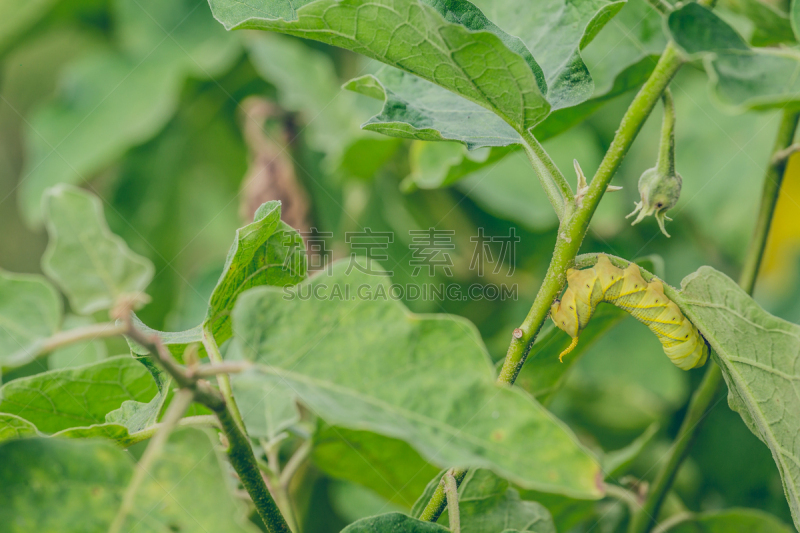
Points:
(646, 302)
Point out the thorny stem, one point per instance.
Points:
(178, 407)
(553, 181)
(240, 453)
(645, 518)
(223, 380)
(571, 232)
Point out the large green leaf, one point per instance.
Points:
(450, 44)
(487, 503)
(758, 355)
(111, 391)
(13, 427)
(554, 31)
(742, 78)
(115, 99)
(90, 264)
(390, 467)
(30, 311)
(394, 522)
(636, 39)
(730, 521)
(51, 485)
(363, 362)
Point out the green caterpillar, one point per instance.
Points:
(629, 291)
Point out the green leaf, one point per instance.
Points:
(14, 427)
(113, 100)
(30, 311)
(697, 29)
(757, 353)
(394, 522)
(771, 25)
(79, 353)
(487, 503)
(90, 264)
(450, 45)
(730, 521)
(58, 400)
(636, 39)
(417, 109)
(266, 252)
(555, 31)
(742, 78)
(367, 363)
(80, 484)
(390, 467)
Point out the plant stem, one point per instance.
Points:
(240, 453)
(645, 518)
(451, 491)
(555, 185)
(178, 407)
(223, 380)
(85, 333)
(438, 501)
(769, 198)
(666, 148)
(572, 232)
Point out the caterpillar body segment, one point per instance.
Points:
(646, 302)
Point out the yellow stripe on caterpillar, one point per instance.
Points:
(646, 302)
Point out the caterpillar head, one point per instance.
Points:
(565, 314)
(659, 192)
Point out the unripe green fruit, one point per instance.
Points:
(660, 187)
(659, 192)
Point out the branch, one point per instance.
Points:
(645, 518)
(553, 181)
(240, 453)
(84, 333)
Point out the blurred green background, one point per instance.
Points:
(183, 130)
